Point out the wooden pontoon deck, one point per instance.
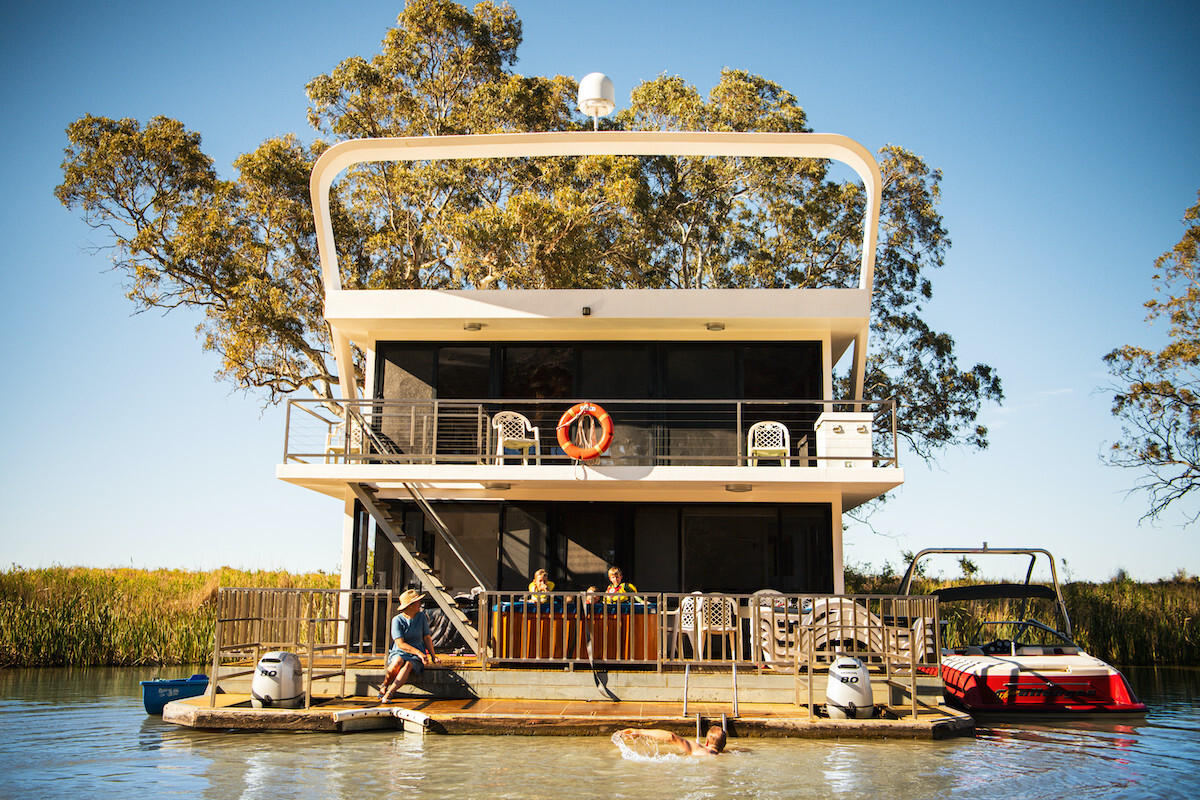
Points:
(573, 703)
(563, 718)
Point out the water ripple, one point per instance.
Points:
(86, 731)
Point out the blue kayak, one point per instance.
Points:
(157, 693)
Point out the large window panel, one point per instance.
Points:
(591, 534)
(804, 561)
(784, 372)
(724, 548)
(656, 548)
(699, 433)
(476, 528)
(524, 546)
(463, 373)
(537, 372)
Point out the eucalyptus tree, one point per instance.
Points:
(785, 223)
(242, 251)
(1157, 399)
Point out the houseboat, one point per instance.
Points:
(691, 438)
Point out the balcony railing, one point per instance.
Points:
(646, 432)
(897, 637)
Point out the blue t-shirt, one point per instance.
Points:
(413, 631)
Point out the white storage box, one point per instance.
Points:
(844, 439)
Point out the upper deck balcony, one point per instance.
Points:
(665, 448)
(661, 449)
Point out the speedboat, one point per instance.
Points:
(1015, 662)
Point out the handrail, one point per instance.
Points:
(895, 636)
(655, 432)
(250, 621)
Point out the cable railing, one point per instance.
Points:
(793, 433)
(896, 637)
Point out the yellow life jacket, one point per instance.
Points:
(622, 588)
(540, 597)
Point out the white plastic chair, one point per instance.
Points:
(838, 624)
(769, 625)
(513, 432)
(768, 440)
(702, 617)
(336, 444)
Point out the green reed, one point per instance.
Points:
(80, 616)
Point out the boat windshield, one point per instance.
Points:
(997, 616)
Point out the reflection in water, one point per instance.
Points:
(84, 731)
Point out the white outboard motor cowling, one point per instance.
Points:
(277, 681)
(848, 693)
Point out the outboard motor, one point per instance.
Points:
(848, 693)
(277, 681)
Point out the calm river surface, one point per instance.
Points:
(83, 733)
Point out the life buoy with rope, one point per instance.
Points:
(594, 448)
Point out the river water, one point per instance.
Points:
(83, 733)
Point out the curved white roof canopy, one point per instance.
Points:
(603, 143)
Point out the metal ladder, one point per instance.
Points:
(406, 546)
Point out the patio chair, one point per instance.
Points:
(514, 432)
(336, 446)
(703, 617)
(769, 626)
(769, 440)
(840, 625)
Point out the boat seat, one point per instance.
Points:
(1047, 650)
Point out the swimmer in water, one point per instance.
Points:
(713, 744)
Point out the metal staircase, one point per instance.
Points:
(406, 546)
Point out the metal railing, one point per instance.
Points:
(310, 622)
(896, 636)
(646, 432)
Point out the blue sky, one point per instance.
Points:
(1067, 135)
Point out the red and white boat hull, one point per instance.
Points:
(1068, 683)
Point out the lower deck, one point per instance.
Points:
(525, 717)
(458, 695)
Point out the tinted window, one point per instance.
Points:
(538, 372)
(616, 371)
(694, 373)
(405, 372)
(463, 372)
(782, 371)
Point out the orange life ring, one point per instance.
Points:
(564, 433)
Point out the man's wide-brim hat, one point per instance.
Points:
(409, 597)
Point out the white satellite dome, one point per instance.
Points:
(597, 96)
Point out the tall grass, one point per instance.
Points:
(79, 616)
(1137, 623)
